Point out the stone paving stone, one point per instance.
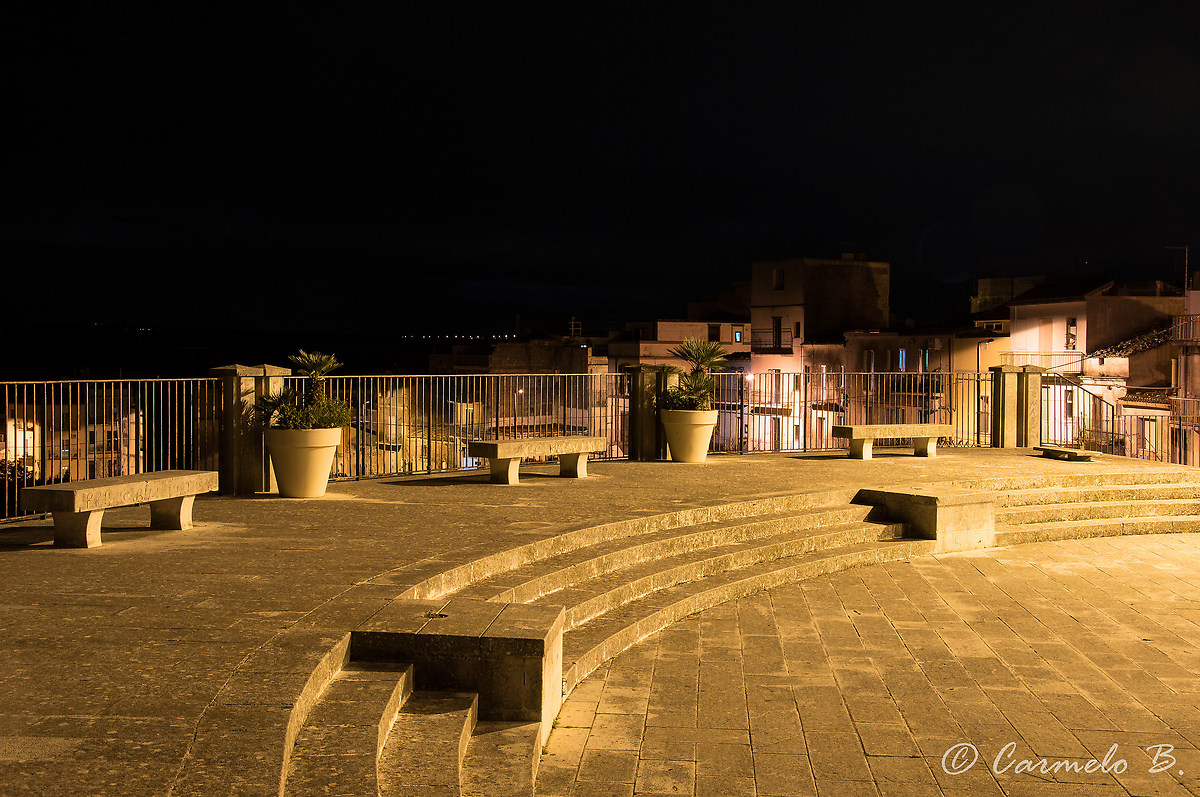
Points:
(616, 732)
(665, 777)
(901, 776)
(724, 786)
(612, 766)
(783, 774)
(882, 739)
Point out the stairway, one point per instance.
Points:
(1096, 505)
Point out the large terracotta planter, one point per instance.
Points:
(688, 433)
(302, 459)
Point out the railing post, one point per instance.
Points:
(1004, 405)
(643, 403)
(243, 464)
(1016, 406)
(1029, 384)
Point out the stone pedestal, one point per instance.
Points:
(1016, 406)
(244, 466)
(960, 520)
(510, 654)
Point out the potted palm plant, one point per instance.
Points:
(303, 430)
(686, 411)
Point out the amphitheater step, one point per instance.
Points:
(550, 575)
(1107, 476)
(424, 752)
(588, 646)
(1100, 527)
(336, 750)
(589, 599)
(1088, 493)
(501, 760)
(1096, 510)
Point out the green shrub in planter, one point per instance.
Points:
(312, 409)
(696, 389)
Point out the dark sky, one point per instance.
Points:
(448, 165)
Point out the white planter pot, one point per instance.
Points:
(688, 433)
(302, 459)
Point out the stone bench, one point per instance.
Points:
(505, 455)
(1070, 454)
(924, 436)
(79, 506)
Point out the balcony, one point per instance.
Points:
(770, 341)
(1186, 329)
(1061, 362)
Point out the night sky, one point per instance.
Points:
(443, 167)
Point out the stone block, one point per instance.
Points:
(510, 654)
(958, 519)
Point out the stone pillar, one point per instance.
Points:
(1016, 406)
(243, 464)
(1004, 405)
(643, 421)
(1029, 389)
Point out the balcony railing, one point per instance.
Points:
(1063, 362)
(771, 341)
(1186, 329)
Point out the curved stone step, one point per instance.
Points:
(1101, 478)
(424, 752)
(589, 599)
(1123, 492)
(1096, 510)
(590, 645)
(1102, 527)
(502, 760)
(547, 576)
(337, 749)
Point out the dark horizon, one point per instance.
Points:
(432, 169)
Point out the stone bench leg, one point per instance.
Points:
(573, 465)
(77, 529)
(172, 513)
(861, 448)
(506, 471)
(925, 446)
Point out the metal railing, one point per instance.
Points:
(1063, 362)
(797, 411)
(421, 424)
(771, 341)
(1075, 417)
(1186, 328)
(66, 431)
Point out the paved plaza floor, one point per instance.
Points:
(1002, 672)
(859, 682)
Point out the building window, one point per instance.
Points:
(737, 336)
(714, 333)
(776, 279)
(799, 334)
(1071, 330)
(1069, 404)
(902, 361)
